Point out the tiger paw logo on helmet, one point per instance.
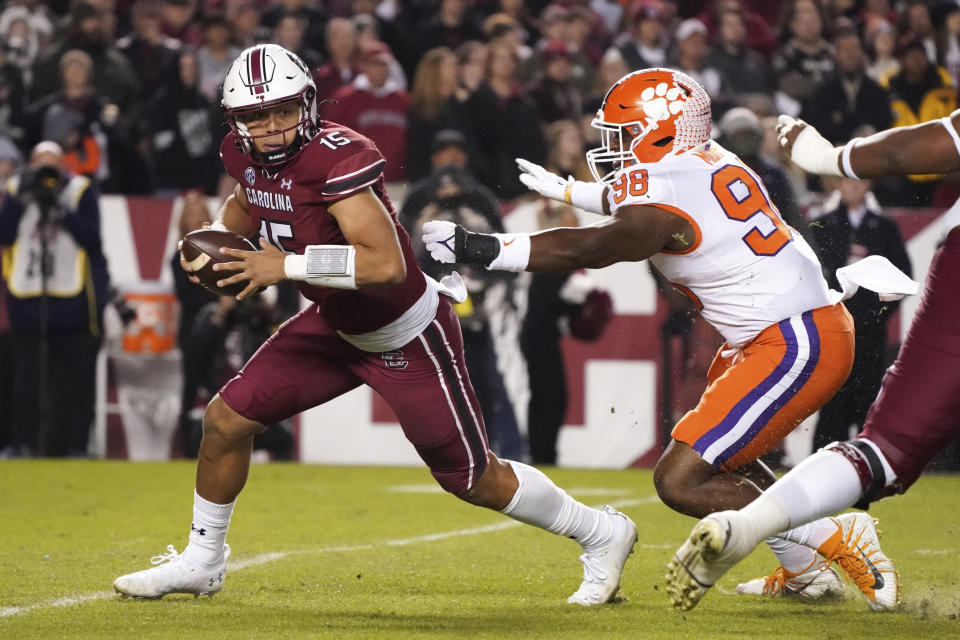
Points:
(646, 116)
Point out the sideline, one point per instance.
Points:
(266, 558)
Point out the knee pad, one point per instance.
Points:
(869, 467)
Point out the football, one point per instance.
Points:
(201, 249)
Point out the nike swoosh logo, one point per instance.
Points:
(878, 581)
(509, 242)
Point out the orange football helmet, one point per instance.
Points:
(646, 116)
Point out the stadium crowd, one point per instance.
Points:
(130, 88)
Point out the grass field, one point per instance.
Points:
(359, 552)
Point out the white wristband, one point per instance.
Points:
(514, 252)
(585, 195)
(218, 226)
(812, 153)
(845, 158)
(325, 265)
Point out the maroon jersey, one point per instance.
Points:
(289, 208)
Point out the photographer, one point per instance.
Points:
(57, 283)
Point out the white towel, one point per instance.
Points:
(877, 274)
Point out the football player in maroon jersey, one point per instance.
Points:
(314, 192)
(915, 416)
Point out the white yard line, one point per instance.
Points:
(266, 558)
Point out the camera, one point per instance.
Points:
(43, 184)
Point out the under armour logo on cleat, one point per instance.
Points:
(201, 531)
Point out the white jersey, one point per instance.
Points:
(745, 269)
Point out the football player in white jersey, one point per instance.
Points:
(914, 417)
(705, 221)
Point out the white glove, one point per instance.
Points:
(811, 151)
(585, 195)
(439, 238)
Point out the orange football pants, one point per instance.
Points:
(759, 393)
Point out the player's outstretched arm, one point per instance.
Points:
(931, 147)
(588, 196)
(632, 234)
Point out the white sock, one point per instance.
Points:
(793, 557)
(812, 535)
(543, 504)
(208, 531)
(821, 485)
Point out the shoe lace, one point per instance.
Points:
(774, 583)
(852, 559)
(592, 573)
(169, 556)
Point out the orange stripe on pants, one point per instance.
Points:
(760, 393)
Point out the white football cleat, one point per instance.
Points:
(173, 574)
(603, 566)
(819, 581)
(856, 548)
(716, 543)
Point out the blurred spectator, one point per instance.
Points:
(746, 69)
(523, 17)
(393, 23)
(919, 92)
(505, 123)
(215, 56)
(368, 35)
(12, 93)
(503, 28)
(556, 95)
(152, 54)
(853, 228)
(692, 56)
(114, 76)
(741, 133)
(949, 41)
(646, 44)
(758, 36)
(877, 10)
(566, 151)
(587, 41)
(178, 22)
(471, 64)
(290, 33)
(50, 218)
(376, 106)
(338, 71)
(314, 20)
(917, 26)
(882, 44)
(806, 58)
(10, 159)
(21, 42)
(558, 304)
(451, 25)
(185, 134)
(848, 98)
(612, 67)
(74, 118)
(433, 107)
(610, 11)
(245, 25)
(450, 193)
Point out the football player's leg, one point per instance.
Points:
(433, 398)
(300, 366)
(786, 374)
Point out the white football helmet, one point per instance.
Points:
(264, 76)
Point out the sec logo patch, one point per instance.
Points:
(250, 175)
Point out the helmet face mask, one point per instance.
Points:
(262, 78)
(646, 116)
